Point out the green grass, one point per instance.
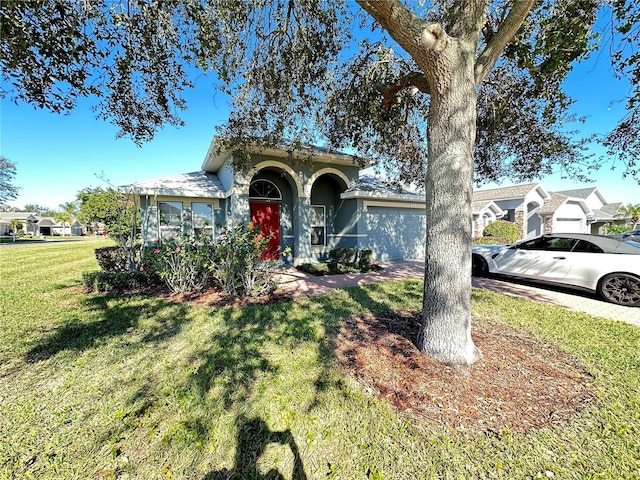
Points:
(95, 386)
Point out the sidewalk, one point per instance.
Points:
(295, 282)
(298, 283)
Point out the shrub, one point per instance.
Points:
(182, 263)
(112, 259)
(343, 256)
(491, 241)
(117, 282)
(616, 228)
(317, 269)
(502, 228)
(238, 265)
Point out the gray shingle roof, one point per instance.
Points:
(578, 192)
(504, 192)
(194, 184)
(478, 206)
(608, 212)
(553, 203)
(380, 187)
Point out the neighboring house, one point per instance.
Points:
(603, 213)
(484, 212)
(5, 227)
(309, 208)
(520, 204)
(36, 225)
(538, 211)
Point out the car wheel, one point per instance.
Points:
(479, 267)
(621, 288)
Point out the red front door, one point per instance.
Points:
(267, 215)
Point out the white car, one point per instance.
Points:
(595, 263)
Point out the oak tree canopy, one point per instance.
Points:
(433, 90)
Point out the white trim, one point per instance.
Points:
(272, 163)
(397, 197)
(325, 171)
(390, 204)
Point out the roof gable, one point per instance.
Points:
(194, 184)
(504, 193)
(216, 157)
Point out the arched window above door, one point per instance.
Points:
(264, 189)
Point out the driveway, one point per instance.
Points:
(296, 282)
(570, 299)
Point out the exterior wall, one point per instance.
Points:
(593, 201)
(340, 216)
(521, 221)
(300, 177)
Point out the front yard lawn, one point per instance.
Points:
(106, 387)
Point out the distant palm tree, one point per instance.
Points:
(67, 215)
(15, 224)
(632, 212)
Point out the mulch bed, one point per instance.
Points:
(520, 384)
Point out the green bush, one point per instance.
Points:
(617, 228)
(502, 228)
(112, 259)
(491, 241)
(238, 264)
(182, 263)
(349, 264)
(343, 256)
(364, 262)
(118, 282)
(318, 269)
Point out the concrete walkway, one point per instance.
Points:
(299, 283)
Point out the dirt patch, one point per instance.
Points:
(520, 383)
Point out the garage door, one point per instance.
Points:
(568, 225)
(395, 233)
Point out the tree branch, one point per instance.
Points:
(391, 14)
(412, 79)
(506, 30)
(416, 81)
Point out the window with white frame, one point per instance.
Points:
(202, 219)
(170, 219)
(318, 225)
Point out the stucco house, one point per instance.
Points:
(603, 213)
(309, 208)
(31, 223)
(538, 211)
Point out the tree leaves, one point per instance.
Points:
(8, 191)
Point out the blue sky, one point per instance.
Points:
(58, 155)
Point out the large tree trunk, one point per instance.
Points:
(446, 325)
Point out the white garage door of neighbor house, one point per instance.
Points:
(568, 225)
(395, 233)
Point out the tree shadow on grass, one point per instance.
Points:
(109, 316)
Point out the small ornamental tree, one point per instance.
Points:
(182, 263)
(237, 263)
